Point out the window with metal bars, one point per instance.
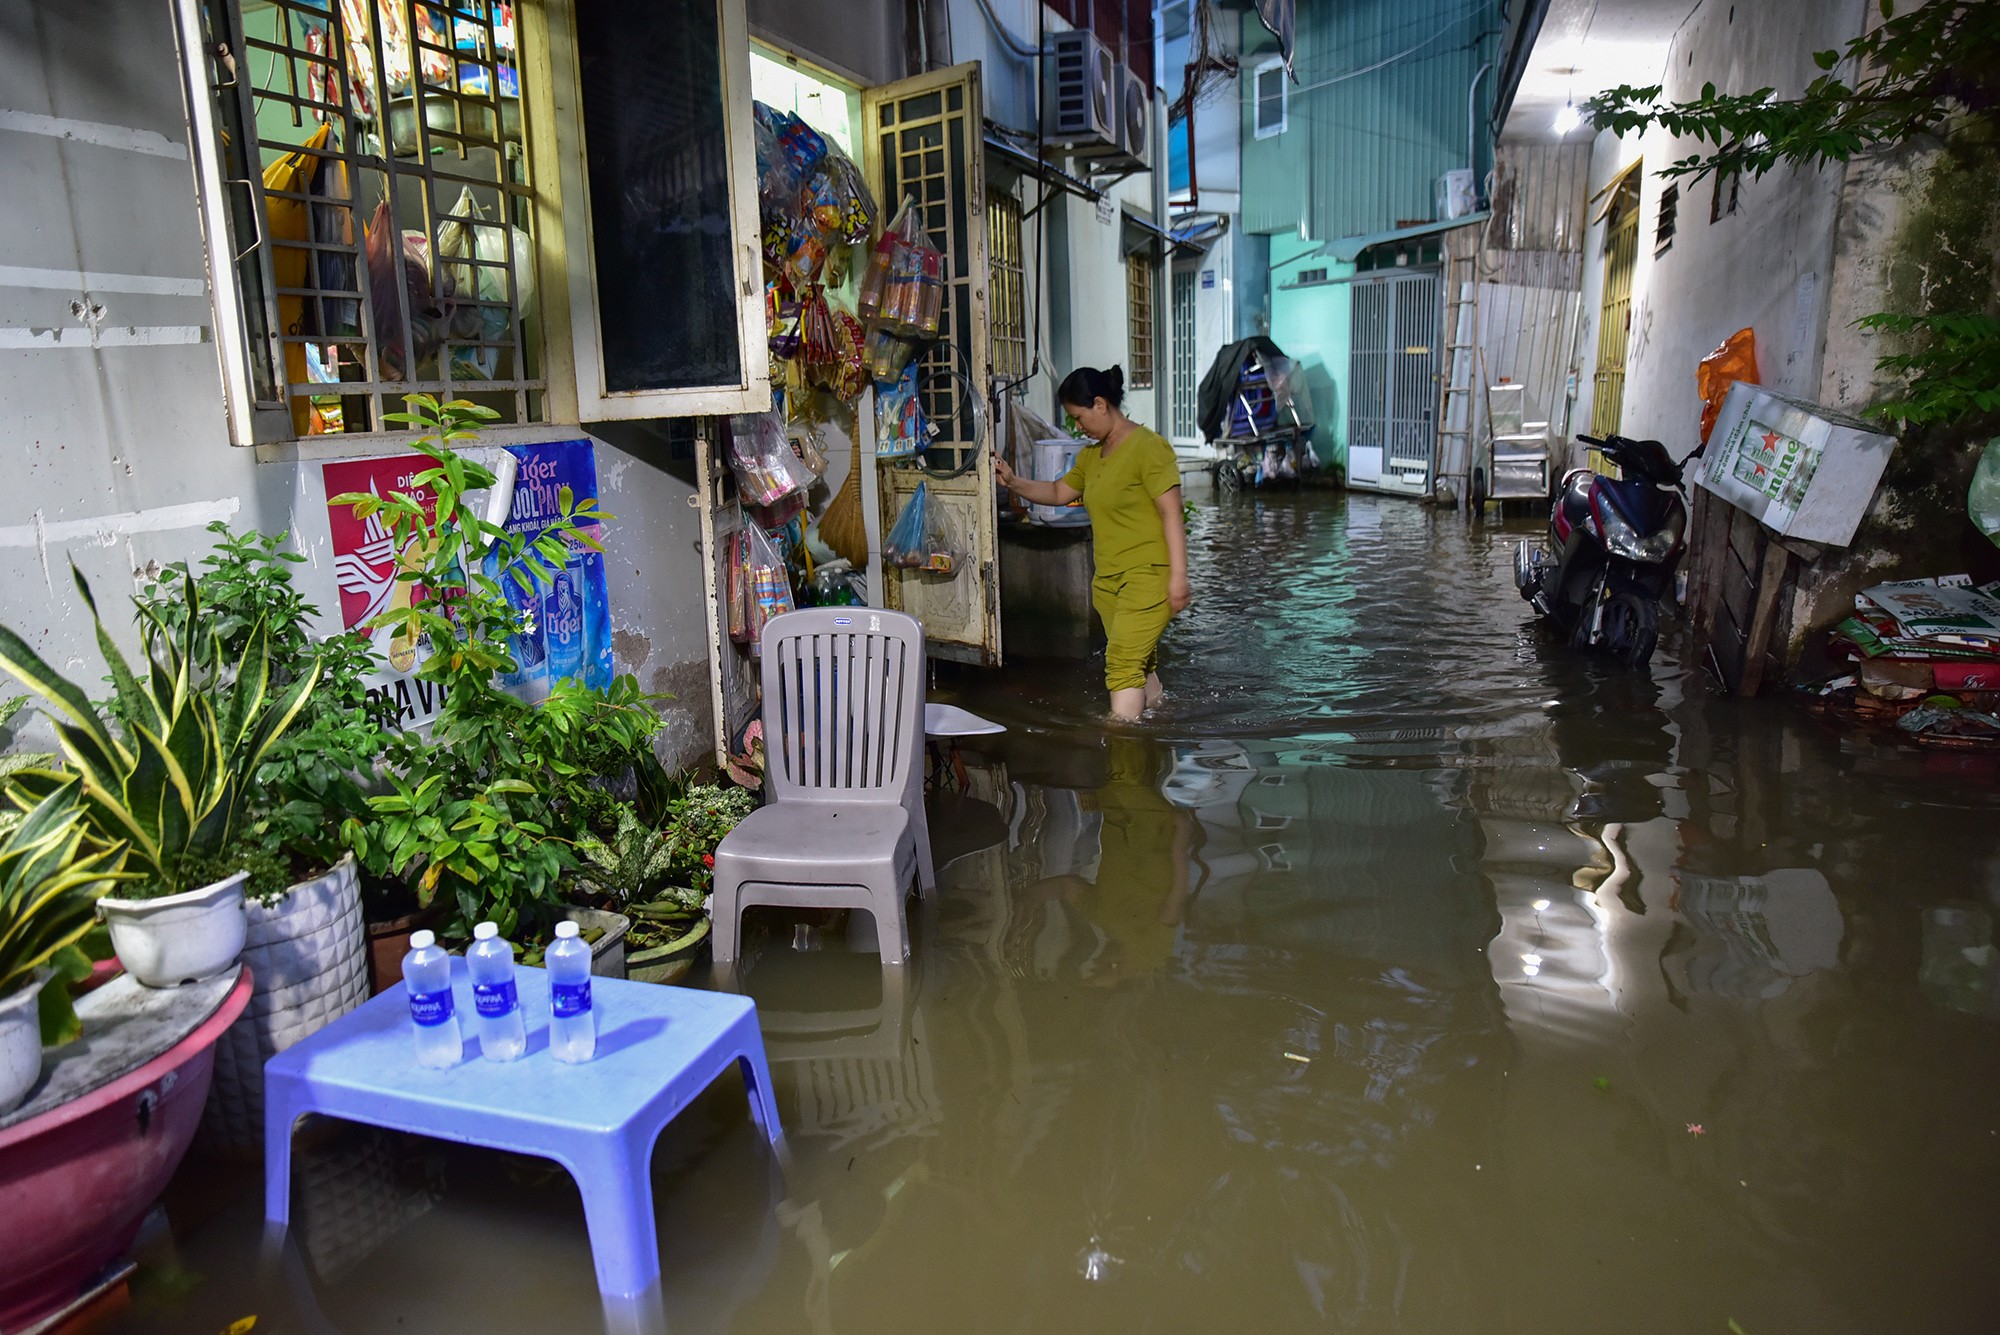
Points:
(1139, 311)
(1007, 305)
(1663, 228)
(385, 242)
(1185, 384)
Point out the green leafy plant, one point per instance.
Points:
(49, 886)
(1927, 75)
(173, 778)
(476, 804)
(317, 775)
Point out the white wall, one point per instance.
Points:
(119, 455)
(1768, 266)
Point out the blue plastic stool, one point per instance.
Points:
(657, 1048)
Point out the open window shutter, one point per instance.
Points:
(925, 141)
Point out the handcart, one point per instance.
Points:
(1257, 411)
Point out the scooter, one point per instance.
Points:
(1614, 545)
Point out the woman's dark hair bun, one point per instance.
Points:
(1086, 384)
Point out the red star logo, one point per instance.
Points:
(1770, 442)
(1761, 470)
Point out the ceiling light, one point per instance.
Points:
(1568, 119)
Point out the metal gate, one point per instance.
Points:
(1614, 319)
(1392, 389)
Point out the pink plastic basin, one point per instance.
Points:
(76, 1182)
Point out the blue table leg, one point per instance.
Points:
(615, 1178)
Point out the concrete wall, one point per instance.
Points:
(863, 41)
(122, 448)
(1768, 266)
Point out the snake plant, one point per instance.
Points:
(172, 777)
(48, 885)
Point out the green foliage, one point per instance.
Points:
(476, 803)
(1953, 372)
(49, 885)
(315, 776)
(1928, 74)
(173, 780)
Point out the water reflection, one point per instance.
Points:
(1407, 974)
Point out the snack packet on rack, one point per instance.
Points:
(762, 459)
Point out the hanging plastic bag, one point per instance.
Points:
(922, 536)
(901, 429)
(762, 459)
(1734, 360)
(805, 444)
(1982, 501)
(411, 268)
(845, 373)
(838, 200)
(766, 584)
(468, 234)
(816, 336)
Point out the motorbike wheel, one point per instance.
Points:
(1631, 628)
(1229, 477)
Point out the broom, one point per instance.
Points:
(842, 527)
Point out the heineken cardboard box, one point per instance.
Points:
(1806, 471)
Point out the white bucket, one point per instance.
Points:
(1053, 459)
(180, 938)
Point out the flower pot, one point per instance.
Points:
(308, 958)
(178, 938)
(20, 1042)
(389, 941)
(607, 952)
(671, 962)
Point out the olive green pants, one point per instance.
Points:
(1133, 606)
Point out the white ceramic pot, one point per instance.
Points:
(20, 1043)
(308, 958)
(179, 938)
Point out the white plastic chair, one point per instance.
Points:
(843, 737)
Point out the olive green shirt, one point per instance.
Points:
(1121, 494)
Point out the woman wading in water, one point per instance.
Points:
(1130, 483)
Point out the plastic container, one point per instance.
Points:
(1053, 460)
(427, 976)
(502, 1035)
(572, 1021)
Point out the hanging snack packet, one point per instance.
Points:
(838, 200)
(816, 329)
(921, 538)
(783, 314)
(900, 417)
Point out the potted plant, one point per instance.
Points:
(48, 900)
(305, 940)
(473, 818)
(658, 871)
(171, 779)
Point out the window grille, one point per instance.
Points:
(1728, 191)
(1272, 95)
(1185, 380)
(396, 206)
(1007, 309)
(1139, 309)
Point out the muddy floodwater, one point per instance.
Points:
(1407, 973)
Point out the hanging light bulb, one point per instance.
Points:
(1568, 119)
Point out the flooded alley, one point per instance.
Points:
(1405, 973)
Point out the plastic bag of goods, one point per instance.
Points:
(838, 201)
(766, 585)
(922, 537)
(901, 429)
(766, 468)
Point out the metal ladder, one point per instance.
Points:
(1454, 462)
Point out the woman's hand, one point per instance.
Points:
(1002, 474)
(1178, 594)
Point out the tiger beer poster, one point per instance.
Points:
(565, 618)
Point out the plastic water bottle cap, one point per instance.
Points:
(422, 940)
(486, 931)
(565, 930)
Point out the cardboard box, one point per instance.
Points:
(1806, 471)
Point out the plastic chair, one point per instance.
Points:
(843, 730)
(657, 1049)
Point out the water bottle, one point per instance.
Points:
(572, 1023)
(502, 1035)
(427, 978)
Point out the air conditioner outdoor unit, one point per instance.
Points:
(1135, 119)
(1079, 94)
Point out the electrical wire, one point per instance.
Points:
(1384, 63)
(1014, 45)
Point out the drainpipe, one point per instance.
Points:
(1472, 127)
